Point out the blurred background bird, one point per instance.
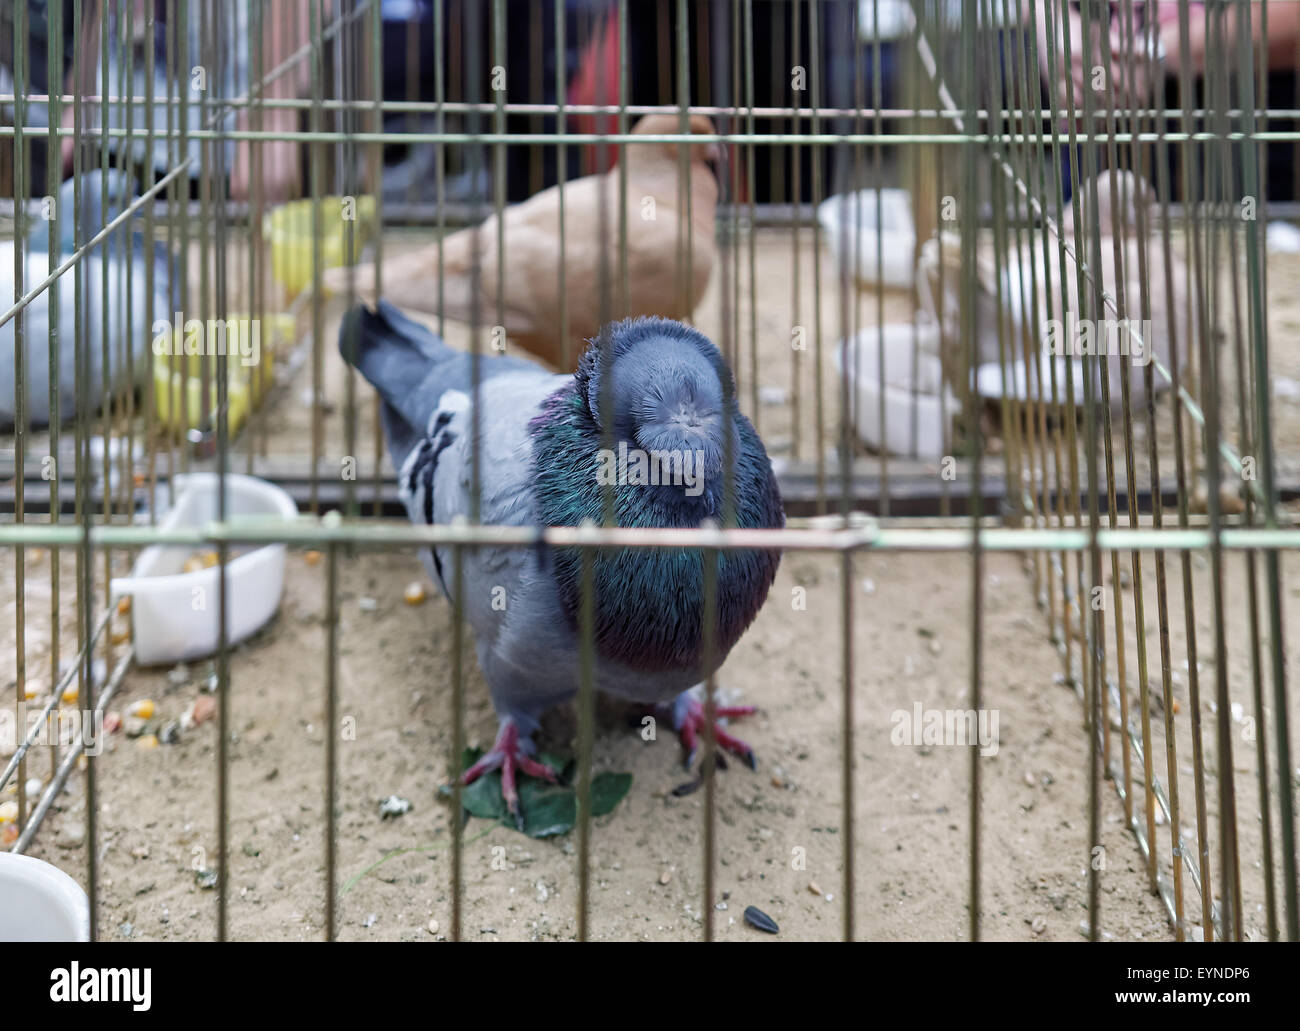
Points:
(655, 385)
(124, 255)
(670, 251)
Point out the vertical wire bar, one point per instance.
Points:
(1245, 426)
(1141, 229)
(1095, 639)
(1177, 848)
(1264, 436)
(85, 569)
(751, 160)
(214, 208)
(457, 735)
(54, 173)
(969, 228)
(1191, 198)
(21, 88)
(375, 179)
(1108, 432)
(499, 159)
(796, 201)
(1230, 905)
(561, 177)
(317, 260)
(624, 304)
(331, 740)
(819, 416)
(846, 46)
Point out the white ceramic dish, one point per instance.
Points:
(849, 221)
(174, 613)
(913, 403)
(40, 903)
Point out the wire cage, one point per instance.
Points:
(997, 281)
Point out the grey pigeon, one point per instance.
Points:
(543, 462)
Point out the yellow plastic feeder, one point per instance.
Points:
(289, 228)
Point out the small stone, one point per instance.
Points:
(370, 919)
(70, 835)
(665, 877)
(367, 604)
(178, 675)
(170, 733)
(1039, 925)
(206, 879)
(33, 787)
(112, 722)
(140, 852)
(543, 892)
(134, 726)
(393, 806)
(433, 926)
(1029, 779)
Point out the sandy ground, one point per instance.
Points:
(911, 625)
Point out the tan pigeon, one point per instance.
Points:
(530, 270)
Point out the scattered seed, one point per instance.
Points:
(814, 887)
(203, 709)
(665, 877)
(756, 918)
(311, 557)
(147, 741)
(8, 812)
(433, 926)
(120, 636)
(70, 695)
(143, 708)
(1039, 925)
(414, 593)
(124, 605)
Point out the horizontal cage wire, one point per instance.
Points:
(995, 295)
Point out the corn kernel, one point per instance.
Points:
(124, 605)
(414, 593)
(143, 708)
(311, 557)
(30, 692)
(209, 559)
(147, 741)
(193, 564)
(70, 694)
(8, 834)
(120, 636)
(8, 812)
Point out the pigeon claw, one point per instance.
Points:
(508, 756)
(694, 724)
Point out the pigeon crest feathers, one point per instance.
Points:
(655, 385)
